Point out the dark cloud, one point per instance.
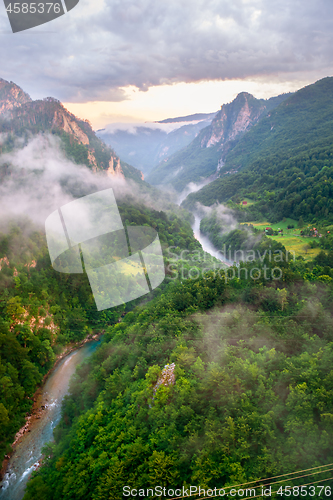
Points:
(96, 49)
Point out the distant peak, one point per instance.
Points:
(245, 96)
(11, 96)
(189, 118)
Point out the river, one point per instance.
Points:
(206, 244)
(27, 451)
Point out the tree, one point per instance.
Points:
(37, 490)
(306, 248)
(282, 297)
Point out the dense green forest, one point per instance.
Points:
(42, 310)
(222, 375)
(285, 161)
(251, 395)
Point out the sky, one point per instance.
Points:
(145, 60)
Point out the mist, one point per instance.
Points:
(132, 128)
(223, 214)
(39, 179)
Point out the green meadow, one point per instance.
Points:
(291, 239)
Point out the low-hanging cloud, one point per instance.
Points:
(132, 128)
(37, 179)
(101, 47)
(224, 215)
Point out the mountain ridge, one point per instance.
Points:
(285, 163)
(146, 145)
(20, 115)
(205, 155)
(11, 96)
(195, 116)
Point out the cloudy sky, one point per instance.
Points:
(130, 60)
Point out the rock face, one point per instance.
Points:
(167, 376)
(21, 113)
(62, 119)
(115, 171)
(49, 115)
(11, 96)
(205, 155)
(233, 119)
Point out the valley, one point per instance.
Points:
(221, 375)
(28, 448)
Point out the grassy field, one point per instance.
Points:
(279, 225)
(249, 202)
(298, 244)
(291, 238)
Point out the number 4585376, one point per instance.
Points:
(33, 8)
(303, 491)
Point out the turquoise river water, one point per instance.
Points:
(27, 451)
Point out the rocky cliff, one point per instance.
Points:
(23, 116)
(206, 153)
(11, 96)
(233, 119)
(115, 169)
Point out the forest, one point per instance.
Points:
(251, 395)
(284, 162)
(222, 376)
(42, 310)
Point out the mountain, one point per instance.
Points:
(11, 96)
(21, 116)
(205, 155)
(144, 146)
(216, 383)
(42, 310)
(218, 379)
(285, 163)
(190, 118)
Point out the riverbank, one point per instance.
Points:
(37, 408)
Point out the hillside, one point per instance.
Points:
(285, 162)
(144, 146)
(22, 117)
(206, 154)
(212, 384)
(220, 377)
(42, 311)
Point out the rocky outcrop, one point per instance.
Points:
(167, 376)
(4, 262)
(92, 160)
(233, 119)
(63, 120)
(115, 170)
(11, 96)
(50, 116)
(204, 156)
